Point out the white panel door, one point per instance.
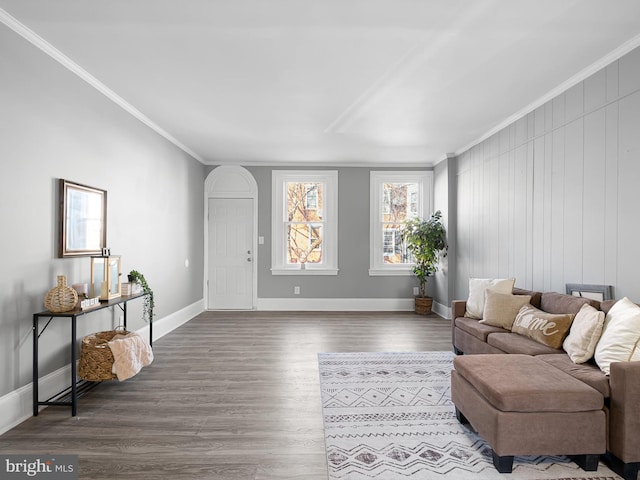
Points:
(231, 257)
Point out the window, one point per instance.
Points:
(395, 197)
(305, 222)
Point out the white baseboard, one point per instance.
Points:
(173, 321)
(17, 406)
(336, 304)
(442, 310)
(346, 304)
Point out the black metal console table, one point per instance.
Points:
(76, 386)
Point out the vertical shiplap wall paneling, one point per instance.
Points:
(628, 280)
(611, 180)
(573, 204)
(557, 209)
(520, 217)
(628, 176)
(611, 194)
(504, 209)
(492, 238)
(547, 208)
(463, 223)
(594, 197)
(553, 197)
(537, 231)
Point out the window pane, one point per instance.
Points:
(304, 243)
(304, 202)
(392, 246)
(400, 202)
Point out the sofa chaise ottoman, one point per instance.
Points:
(521, 406)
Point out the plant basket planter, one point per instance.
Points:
(423, 305)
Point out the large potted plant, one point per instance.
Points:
(425, 239)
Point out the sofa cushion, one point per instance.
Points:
(585, 332)
(477, 289)
(514, 343)
(620, 340)
(520, 383)
(588, 373)
(500, 309)
(547, 328)
(553, 302)
(479, 330)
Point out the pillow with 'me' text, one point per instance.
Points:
(547, 328)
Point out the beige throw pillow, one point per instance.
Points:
(500, 309)
(547, 328)
(620, 336)
(477, 291)
(585, 332)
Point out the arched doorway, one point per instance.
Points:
(231, 222)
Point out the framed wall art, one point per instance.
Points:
(83, 220)
(594, 292)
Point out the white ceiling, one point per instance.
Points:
(332, 82)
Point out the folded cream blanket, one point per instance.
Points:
(131, 352)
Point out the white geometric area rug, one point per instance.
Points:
(389, 416)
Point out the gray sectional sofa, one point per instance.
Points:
(620, 389)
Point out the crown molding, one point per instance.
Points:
(563, 87)
(39, 42)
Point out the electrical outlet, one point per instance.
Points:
(416, 290)
(296, 290)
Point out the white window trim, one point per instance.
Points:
(377, 267)
(330, 214)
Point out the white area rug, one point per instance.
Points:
(390, 416)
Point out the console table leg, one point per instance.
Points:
(35, 366)
(74, 386)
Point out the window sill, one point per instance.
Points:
(389, 272)
(306, 271)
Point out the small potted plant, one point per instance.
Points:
(147, 309)
(425, 239)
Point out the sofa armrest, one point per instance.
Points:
(624, 421)
(458, 307)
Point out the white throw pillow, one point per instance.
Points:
(585, 332)
(477, 293)
(620, 336)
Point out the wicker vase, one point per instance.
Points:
(61, 298)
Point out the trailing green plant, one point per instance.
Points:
(425, 239)
(147, 308)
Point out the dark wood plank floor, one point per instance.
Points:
(230, 395)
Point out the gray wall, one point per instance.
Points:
(353, 280)
(53, 125)
(552, 199)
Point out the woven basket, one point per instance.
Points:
(61, 298)
(423, 305)
(96, 359)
